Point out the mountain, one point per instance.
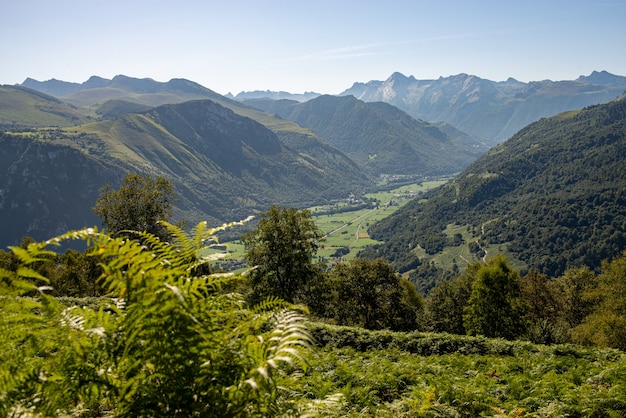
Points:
(26, 108)
(551, 197)
(122, 95)
(489, 110)
(146, 91)
(274, 95)
(377, 136)
(47, 187)
(223, 166)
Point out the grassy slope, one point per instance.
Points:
(21, 106)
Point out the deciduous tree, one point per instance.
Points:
(371, 294)
(140, 202)
(606, 325)
(281, 249)
(493, 309)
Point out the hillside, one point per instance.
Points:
(47, 187)
(223, 166)
(377, 136)
(552, 197)
(110, 98)
(26, 108)
(489, 110)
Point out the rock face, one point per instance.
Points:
(489, 110)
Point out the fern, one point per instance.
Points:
(167, 343)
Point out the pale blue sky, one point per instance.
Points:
(314, 45)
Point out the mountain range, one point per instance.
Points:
(230, 158)
(223, 166)
(552, 197)
(489, 110)
(378, 136)
(274, 95)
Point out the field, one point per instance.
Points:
(344, 225)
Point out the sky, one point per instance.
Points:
(309, 45)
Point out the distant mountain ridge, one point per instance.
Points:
(377, 136)
(486, 109)
(224, 166)
(274, 95)
(144, 91)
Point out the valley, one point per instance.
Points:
(344, 224)
(460, 274)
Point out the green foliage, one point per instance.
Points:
(447, 301)
(571, 290)
(167, 343)
(281, 249)
(392, 374)
(138, 205)
(552, 197)
(605, 326)
(493, 308)
(371, 294)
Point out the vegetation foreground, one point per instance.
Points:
(170, 340)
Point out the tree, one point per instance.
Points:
(447, 301)
(371, 294)
(138, 205)
(540, 309)
(570, 291)
(605, 326)
(493, 309)
(281, 249)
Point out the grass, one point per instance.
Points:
(29, 108)
(349, 228)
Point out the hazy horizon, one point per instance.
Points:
(322, 46)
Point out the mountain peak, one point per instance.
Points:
(398, 77)
(602, 78)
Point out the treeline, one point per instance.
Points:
(493, 300)
(488, 299)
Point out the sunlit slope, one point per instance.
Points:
(551, 197)
(22, 107)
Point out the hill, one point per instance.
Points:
(223, 166)
(552, 197)
(377, 136)
(105, 98)
(489, 110)
(47, 187)
(26, 108)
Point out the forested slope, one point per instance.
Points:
(553, 196)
